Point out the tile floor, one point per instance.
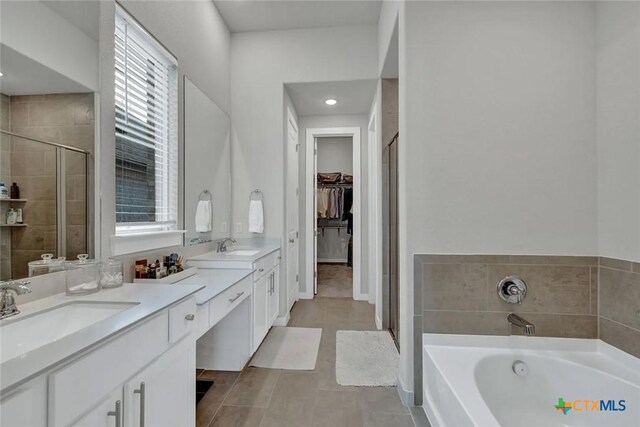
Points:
(268, 397)
(335, 280)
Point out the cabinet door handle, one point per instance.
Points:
(238, 295)
(117, 413)
(190, 317)
(141, 392)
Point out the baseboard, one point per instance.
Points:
(361, 297)
(332, 261)
(378, 323)
(305, 295)
(406, 396)
(282, 320)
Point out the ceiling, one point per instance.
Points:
(266, 15)
(24, 76)
(354, 97)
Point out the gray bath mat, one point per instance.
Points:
(289, 348)
(366, 358)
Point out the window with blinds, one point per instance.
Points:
(146, 103)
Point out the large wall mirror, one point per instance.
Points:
(207, 168)
(47, 124)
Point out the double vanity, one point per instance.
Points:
(127, 356)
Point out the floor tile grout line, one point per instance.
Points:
(225, 398)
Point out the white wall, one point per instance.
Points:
(335, 155)
(34, 30)
(618, 38)
(262, 62)
(354, 120)
(497, 125)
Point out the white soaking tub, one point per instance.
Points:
(469, 380)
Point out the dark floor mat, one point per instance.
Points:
(202, 387)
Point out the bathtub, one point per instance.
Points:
(469, 381)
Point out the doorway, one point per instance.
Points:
(334, 217)
(328, 252)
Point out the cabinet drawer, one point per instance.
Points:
(182, 318)
(261, 267)
(265, 264)
(85, 382)
(229, 299)
(276, 258)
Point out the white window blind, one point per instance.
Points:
(146, 103)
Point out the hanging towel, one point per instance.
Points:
(203, 216)
(256, 217)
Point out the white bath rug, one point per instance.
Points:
(366, 358)
(289, 348)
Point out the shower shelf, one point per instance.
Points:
(14, 225)
(14, 200)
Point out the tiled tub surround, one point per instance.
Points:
(456, 294)
(619, 315)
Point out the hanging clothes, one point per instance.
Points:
(322, 202)
(347, 213)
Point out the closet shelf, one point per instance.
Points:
(338, 185)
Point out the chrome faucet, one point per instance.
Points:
(222, 244)
(8, 306)
(528, 327)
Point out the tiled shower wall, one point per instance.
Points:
(63, 118)
(5, 176)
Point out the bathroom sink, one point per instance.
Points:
(22, 335)
(243, 252)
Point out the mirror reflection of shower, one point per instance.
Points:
(46, 144)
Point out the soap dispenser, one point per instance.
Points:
(4, 193)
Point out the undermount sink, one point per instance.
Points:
(243, 252)
(22, 335)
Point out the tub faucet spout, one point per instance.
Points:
(528, 327)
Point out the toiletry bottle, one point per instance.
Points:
(19, 216)
(12, 216)
(4, 193)
(15, 191)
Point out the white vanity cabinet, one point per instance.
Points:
(107, 413)
(163, 393)
(26, 406)
(274, 295)
(144, 375)
(266, 293)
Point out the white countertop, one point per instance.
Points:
(150, 300)
(215, 281)
(229, 256)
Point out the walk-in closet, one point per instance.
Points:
(334, 217)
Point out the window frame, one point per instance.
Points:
(137, 236)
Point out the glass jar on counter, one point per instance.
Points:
(83, 275)
(111, 273)
(45, 265)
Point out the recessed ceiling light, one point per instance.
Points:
(1, 74)
(331, 101)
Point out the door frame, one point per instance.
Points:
(292, 204)
(310, 184)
